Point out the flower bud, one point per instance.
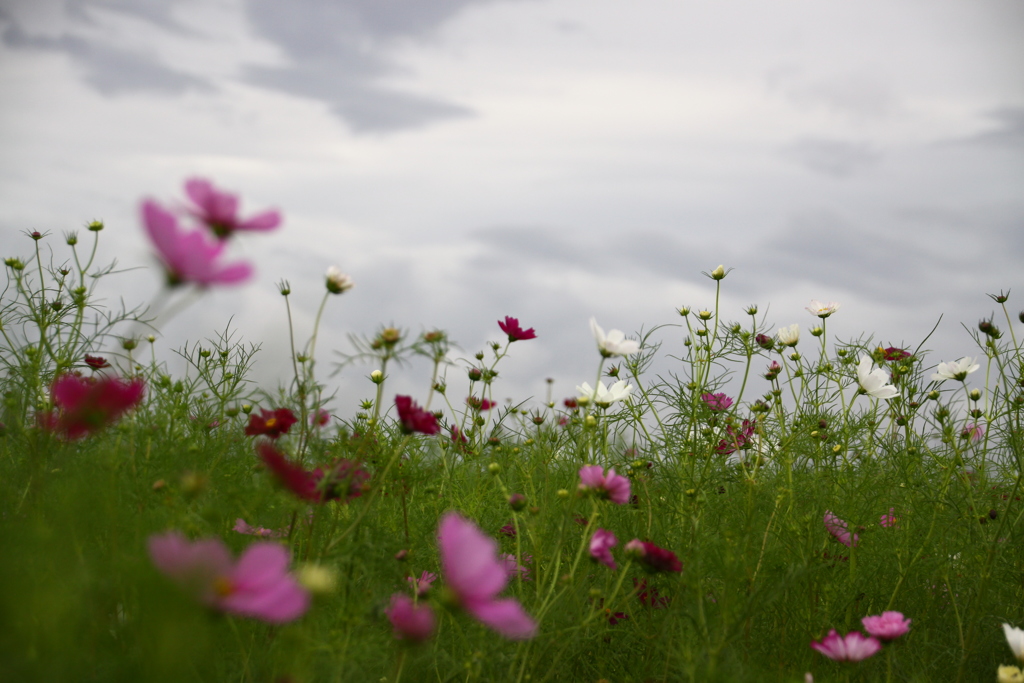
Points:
(95, 226)
(635, 549)
(36, 235)
(563, 493)
(705, 315)
(517, 502)
(318, 579)
(71, 238)
(475, 374)
(975, 395)
(718, 273)
(337, 281)
(816, 331)
(685, 311)
(377, 377)
(752, 309)
(129, 344)
(494, 468)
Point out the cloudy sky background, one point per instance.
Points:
(465, 160)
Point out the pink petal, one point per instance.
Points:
(507, 617)
(261, 564)
(592, 476)
(284, 600)
(469, 560)
(268, 220)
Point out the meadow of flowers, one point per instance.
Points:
(781, 506)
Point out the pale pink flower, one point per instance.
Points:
(854, 647)
(219, 210)
(421, 586)
(411, 621)
(188, 256)
(512, 566)
(242, 527)
(838, 528)
(475, 576)
(822, 310)
(975, 430)
(258, 585)
(887, 625)
(611, 486)
(601, 544)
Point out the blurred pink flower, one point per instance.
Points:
(514, 331)
(601, 544)
(837, 528)
(88, 404)
(219, 210)
(887, 625)
(974, 430)
(414, 418)
(888, 520)
(854, 647)
(411, 621)
(611, 486)
(242, 527)
(475, 576)
(653, 558)
(421, 586)
(513, 568)
(258, 585)
(716, 402)
(187, 256)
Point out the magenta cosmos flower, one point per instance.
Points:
(716, 402)
(854, 647)
(887, 625)
(475, 575)
(514, 331)
(258, 585)
(411, 621)
(87, 405)
(610, 486)
(187, 256)
(601, 544)
(838, 529)
(342, 480)
(653, 558)
(270, 423)
(219, 210)
(414, 418)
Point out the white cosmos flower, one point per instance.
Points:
(789, 336)
(1015, 638)
(614, 343)
(605, 396)
(874, 381)
(957, 370)
(337, 281)
(822, 310)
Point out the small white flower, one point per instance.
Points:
(874, 381)
(1015, 639)
(614, 343)
(337, 281)
(822, 310)
(957, 370)
(789, 336)
(605, 396)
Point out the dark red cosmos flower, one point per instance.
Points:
(649, 596)
(271, 423)
(653, 558)
(414, 418)
(477, 403)
(571, 403)
(87, 405)
(343, 480)
(765, 342)
(96, 362)
(514, 331)
(894, 354)
(736, 438)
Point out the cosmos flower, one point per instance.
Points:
(96, 362)
(887, 625)
(789, 336)
(514, 331)
(337, 281)
(270, 423)
(605, 396)
(414, 418)
(1015, 639)
(343, 480)
(838, 529)
(475, 576)
(410, 621)
(219, 210)
(957, 370)
(87, 405)
(874, 381)
(614, 343)
(258, 585)
(652, 557)
(822, 310)
(242, 527)
(601, 544)
(188, 256)
(716, 402)
(609, 486)
(854, 647)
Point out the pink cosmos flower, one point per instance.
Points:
(343, 479)
(852, 648)
(187, 256)
(514, 331)
(838, 529)
(736, 438)
(716, 402)
(258, 585)
(414, 418)
(887, 625)
(888, 520)
(477, 403)
(421, 586)
(88, 404)
(513, 568)
(242, 527)
(610, 486)
(475, 575)
(320, 418)
(601, 544)
(411, 621)
(219, 210)
(974, 430)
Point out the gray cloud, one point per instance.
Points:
(340, 51)
(1008, 132)
(835, 158)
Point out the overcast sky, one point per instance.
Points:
(465, 160)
